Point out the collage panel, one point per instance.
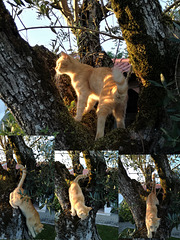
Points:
(149, 196)
(27, 200)
(86, 186)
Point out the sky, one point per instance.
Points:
(44, 36)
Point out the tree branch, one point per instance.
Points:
(171, 6)
(75, 8)
(165, 173)
(73, 27)
(65, 10)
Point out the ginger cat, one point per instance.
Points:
(18, 199)
(108, 87)
(77, 201)
(152, 221)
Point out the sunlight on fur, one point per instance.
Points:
(19, 199)
(77, 200)
(152, 221)
(103, 84)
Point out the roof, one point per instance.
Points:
(123, 64)
(85, 171)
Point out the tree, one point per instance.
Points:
(39, 182)
(135, 196)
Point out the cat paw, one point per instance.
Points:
(77, 118)
(73, 214)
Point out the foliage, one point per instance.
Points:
(174, 215)
(111, 186)
(126, 233)
(107, 232)
(171, 104)
(9, 126)
(125, 214)
(56, 205)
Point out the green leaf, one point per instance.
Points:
(173, 39)
(175, 117)
(19, 12)
(19, 2)
(28, 1)
(155, 83)
(53, 30)
(177, 25)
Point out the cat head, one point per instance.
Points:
(83, 213)
(63, 64)
(154, 224)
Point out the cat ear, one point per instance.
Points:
(64, 54)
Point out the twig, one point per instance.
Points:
(171, 6)
(74, 27)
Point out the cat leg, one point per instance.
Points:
(102, 112)
(119, 114)
(101, 115)
(149, 234)
(73, 212)
(81, 104)
(11, 200)
(90, 104)
(31, 230)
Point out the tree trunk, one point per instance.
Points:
(70, 228)
(147, 32)
(133, 193)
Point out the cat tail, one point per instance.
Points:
(23, 175)
(154, 183)
(121, 81)
(80, 177)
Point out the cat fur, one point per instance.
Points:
(104, 85)
(77, 200)
(19, 199)
(152, 221)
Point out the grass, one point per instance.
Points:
(48, 233)
(107, 232)
(173, 238)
